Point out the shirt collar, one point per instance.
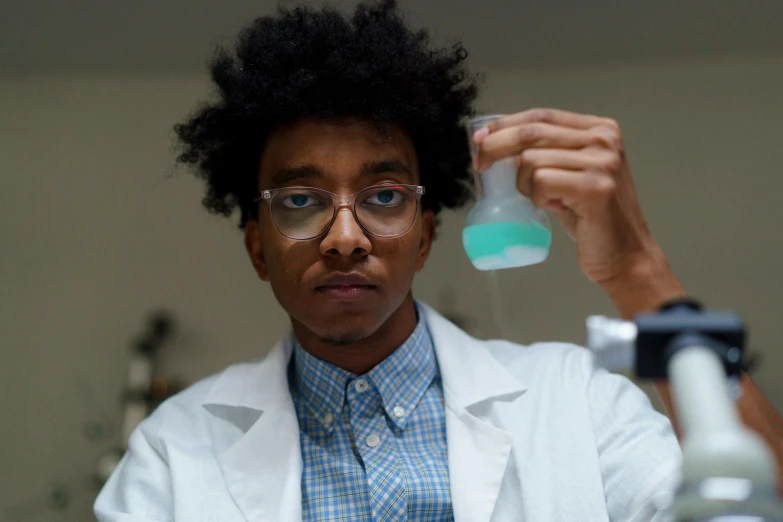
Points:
(401, 379)
(319, 385)
(404, 376)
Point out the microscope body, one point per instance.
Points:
(728, 472)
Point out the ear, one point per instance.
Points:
(254, 250)
(427, 237)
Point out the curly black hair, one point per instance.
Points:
(318, 63)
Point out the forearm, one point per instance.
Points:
(644, 285)
(759, 415)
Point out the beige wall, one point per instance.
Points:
(95, 232)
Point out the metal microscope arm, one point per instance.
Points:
(727, 469)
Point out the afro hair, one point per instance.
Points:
(318, 63)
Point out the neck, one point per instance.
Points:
(363, 355)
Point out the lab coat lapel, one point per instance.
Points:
(478, 450)
(262, 468)
(478, 454)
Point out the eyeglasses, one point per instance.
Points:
(305, 213)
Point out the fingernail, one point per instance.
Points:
(480, 134)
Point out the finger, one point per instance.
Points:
(589, 159)
(513, 140)
(581, 192)
(552, 116)
(578, 160)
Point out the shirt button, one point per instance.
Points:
(398, 412)
(373, 440)
(328, 418)
(361, 385)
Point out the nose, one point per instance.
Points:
(345, 237)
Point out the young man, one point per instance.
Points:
(340, 141)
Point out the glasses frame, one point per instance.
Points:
(339, 202)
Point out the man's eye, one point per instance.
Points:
(299, 201)
(385, 198)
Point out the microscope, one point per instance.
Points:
(728, 473)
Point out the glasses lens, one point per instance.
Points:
(301, 213)
(387, 211)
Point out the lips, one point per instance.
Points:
(346, 286)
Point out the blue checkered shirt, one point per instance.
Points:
(373, 445)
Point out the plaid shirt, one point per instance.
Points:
(373, 446)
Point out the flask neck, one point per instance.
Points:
(499, 180)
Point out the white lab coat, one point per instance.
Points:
(534, 434)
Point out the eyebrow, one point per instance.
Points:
(287, 175)
(371, 168)
(395, 166)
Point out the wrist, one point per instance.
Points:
(645, 282)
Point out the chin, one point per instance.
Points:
(344, 338)
(342, 323)
(347, 330)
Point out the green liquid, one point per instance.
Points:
(492, 246)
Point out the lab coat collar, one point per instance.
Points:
(258, 385)
(470, 375)
(262, 465)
